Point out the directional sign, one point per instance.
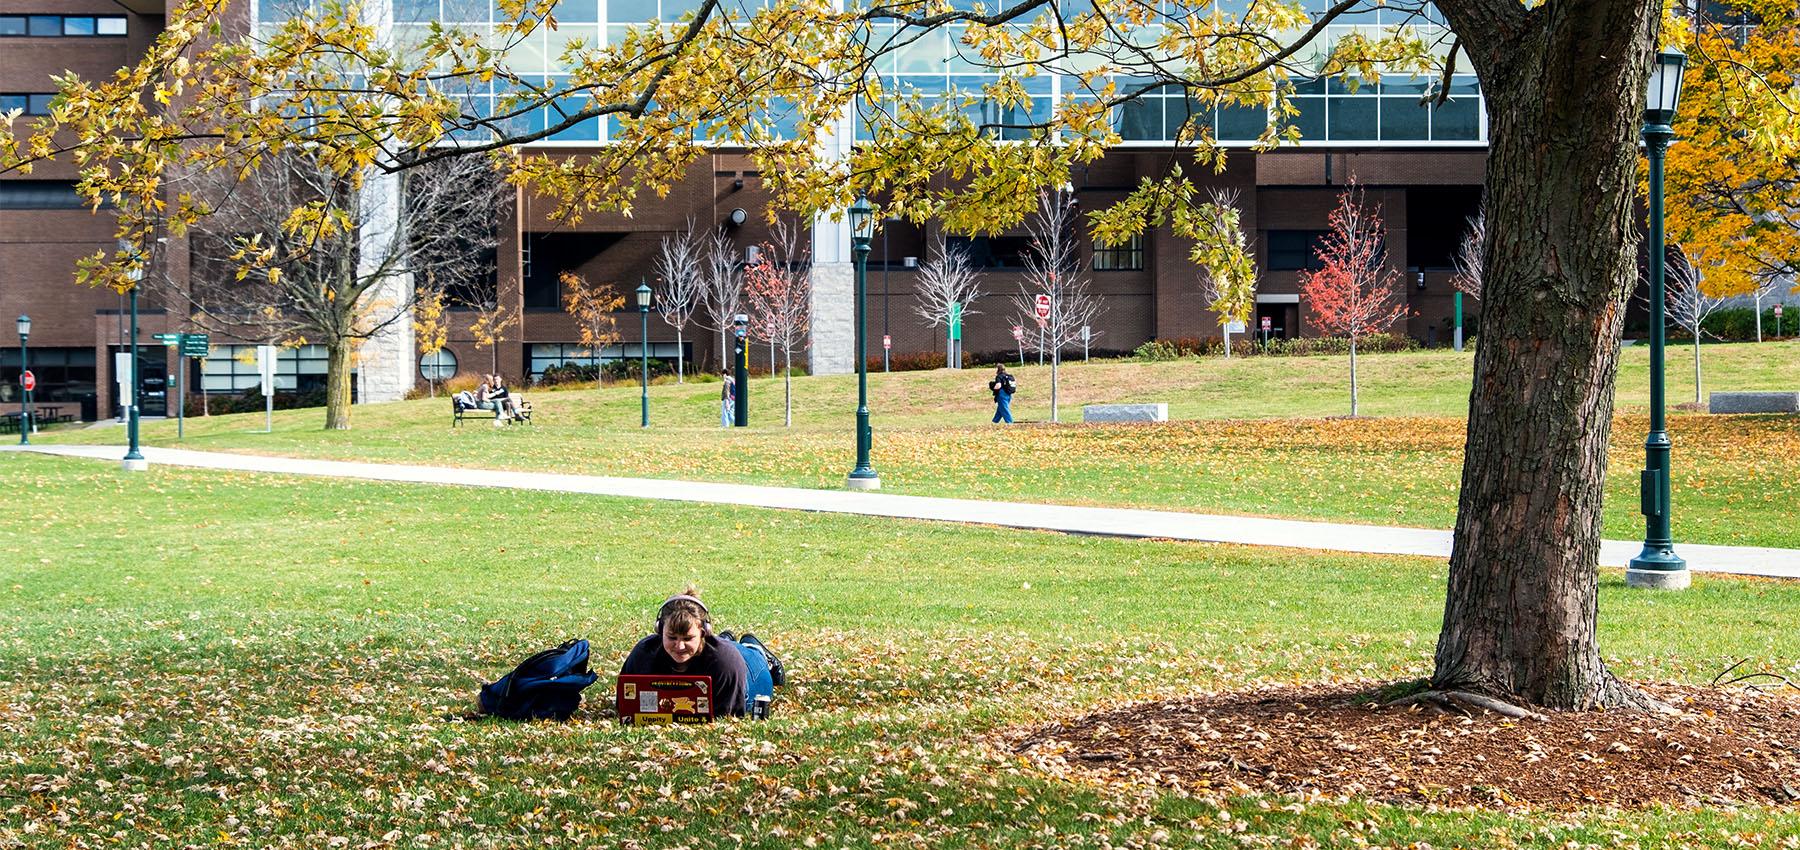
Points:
(195, 345)
(169, 339)
(1043, 308)
(29, 380)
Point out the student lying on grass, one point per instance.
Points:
(685, 645)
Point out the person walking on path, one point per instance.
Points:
(727, 400)
(1003, 388)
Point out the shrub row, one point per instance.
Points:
(251, 401)
(1171, 349)
(1738, 324)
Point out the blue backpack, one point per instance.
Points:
(545, 686)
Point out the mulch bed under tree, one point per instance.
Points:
(1727, 745)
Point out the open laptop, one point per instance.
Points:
(652, 699)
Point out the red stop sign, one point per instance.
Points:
(29, 380)
(1043, 307)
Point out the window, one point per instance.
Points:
(232, 368)
(33, 103)
(76, 26)
(1125, 257)
(543, 355)
(992, 252)
(63, 374)
(40, 195)
(1295, 250)
(438, 365)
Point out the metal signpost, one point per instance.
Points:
(953, 351)
(887, 346)
(740, 367)
(1778, 320)
(1084, 343)
(174, 341)
(1267, 326)
(26, 423)
(265, 365)
(1459, 325)
(1043, 316)
(185, 345)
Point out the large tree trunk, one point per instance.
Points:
(337, 384)
(1564, 85)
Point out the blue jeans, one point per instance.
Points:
(1003, 408)
(725, 412)
(758, 682)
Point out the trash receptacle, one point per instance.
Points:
(90, 407)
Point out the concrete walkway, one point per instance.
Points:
(1117, 522)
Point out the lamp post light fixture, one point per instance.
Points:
(24, 391)
(1657, 566)
(862, 228)
(643, 305)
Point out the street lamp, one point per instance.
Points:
(24, 391)
(643, 303)
(862, 227)
(1658, 566)
(134, 460)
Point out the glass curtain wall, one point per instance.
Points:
(936, 64)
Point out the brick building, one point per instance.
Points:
(1423, 165)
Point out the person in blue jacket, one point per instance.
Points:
(1003, 388)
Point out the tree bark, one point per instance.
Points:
(1353, 376)
(337, 384)
(1564, 84)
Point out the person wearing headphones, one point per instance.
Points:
(684, 644)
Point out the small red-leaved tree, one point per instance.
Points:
(1356, 293)
(778, 289)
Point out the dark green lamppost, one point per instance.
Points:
(862, 227)
(134, 459)
(643, 305)
(24, 391)
(1658, 566)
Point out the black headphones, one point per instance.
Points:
(663, 612)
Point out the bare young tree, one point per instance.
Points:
(1468, 258)
(778, 288)
(1766, 287)
(1228, 268)
(721, 293)
(295, 253)
(948, 285)
(1053, 268)
(1688, 304)
(678, 294)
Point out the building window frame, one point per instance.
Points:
(1128, 256)
(63, 26)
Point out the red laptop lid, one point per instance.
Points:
(649, 699)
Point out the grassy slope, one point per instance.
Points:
(1737, 479)
(189, 658)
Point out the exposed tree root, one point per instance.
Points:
(1453, 699)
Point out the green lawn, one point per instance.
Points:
(1737, 479)
(192, 658)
